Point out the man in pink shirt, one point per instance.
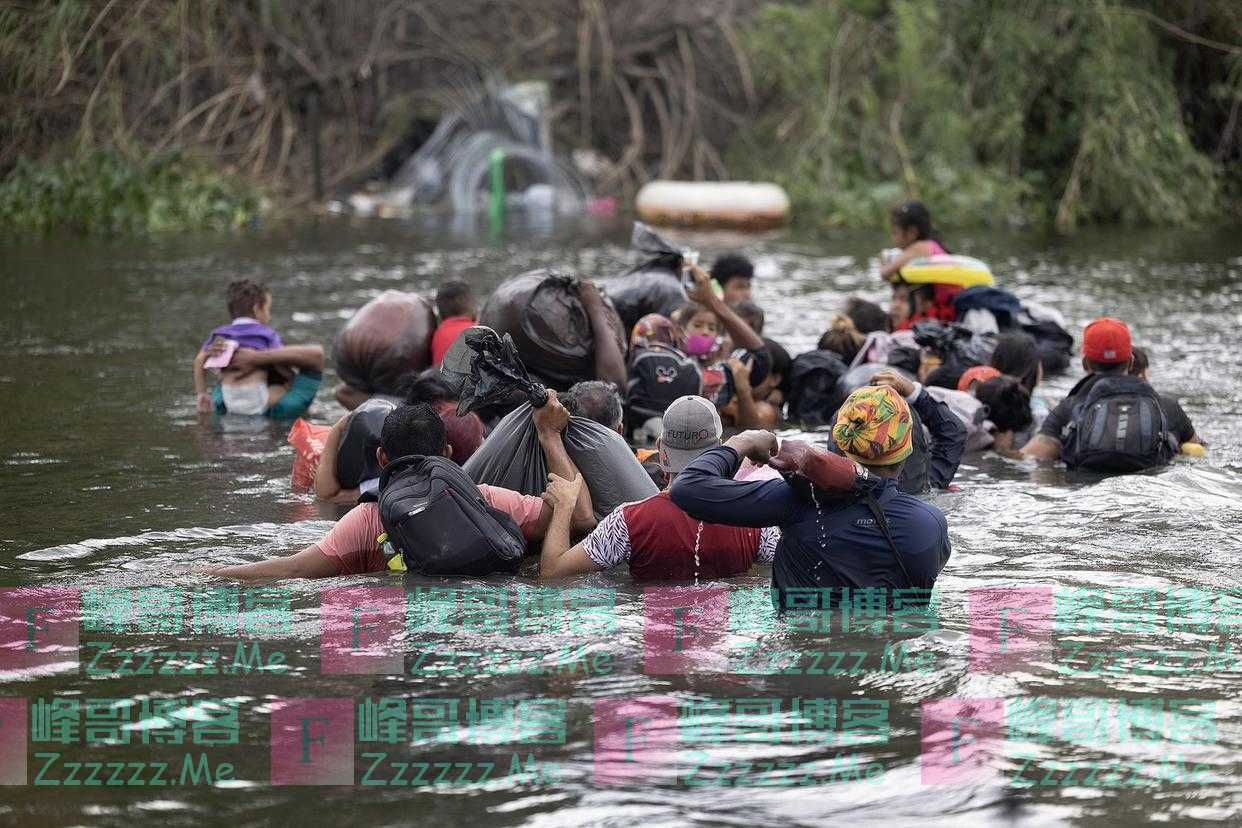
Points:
(351, 547)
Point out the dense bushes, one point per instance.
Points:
(102, 192)
(990, 110)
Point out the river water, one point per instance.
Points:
(1116, 704)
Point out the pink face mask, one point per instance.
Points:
(700, 345)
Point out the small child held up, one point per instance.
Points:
(457, 309)
(242, 391)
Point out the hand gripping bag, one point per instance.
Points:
(512, 458)
(541, 311)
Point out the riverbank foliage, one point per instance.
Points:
(103, 193)
(1061, 113)
(995, 111)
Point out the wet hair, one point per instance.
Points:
(594, 400)
(1141, 362)
(1105, 367)
(842, 338)
(781, 363)
(751, 314)
(1008, 402)
(914, 215)
(413, 429)
(245, 296)
(732, 266)
(866, 316)
(1015, 354)
(427, 389)
(454, 298)
(945, 376)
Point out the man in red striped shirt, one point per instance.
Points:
(654, 537)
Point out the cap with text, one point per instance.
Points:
(691, 427)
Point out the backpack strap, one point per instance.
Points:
(882, 521)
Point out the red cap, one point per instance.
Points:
(1106, 341)
(977, 373)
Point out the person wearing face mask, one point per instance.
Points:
(713, 329)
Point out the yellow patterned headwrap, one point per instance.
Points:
(874, 426)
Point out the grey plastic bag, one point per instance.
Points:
(512, 458)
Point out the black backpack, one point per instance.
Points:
(435, 516)
(1118, 427)
(658, 375)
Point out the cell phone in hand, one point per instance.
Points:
(689, 259)
(224, 357)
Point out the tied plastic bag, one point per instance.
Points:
(655, 286)
(307, 440)
(512, 458)
(543, 314)
(385, 339)
(484, 369)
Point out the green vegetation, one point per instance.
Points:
(102, 193)
(1058, 112)
(992, 111)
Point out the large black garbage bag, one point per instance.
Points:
(541, 311)
(384, 340)
(511, 457)
(483, 369)
(640, 292)
(355, 457)
(813, 379)
(654, 286)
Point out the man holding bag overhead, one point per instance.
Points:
(873, 537)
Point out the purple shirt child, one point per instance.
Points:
(248, 333)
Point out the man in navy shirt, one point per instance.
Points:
(830, 543)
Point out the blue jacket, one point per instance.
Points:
(837, 545)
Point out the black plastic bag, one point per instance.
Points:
(655, 286)
(512, 458)
(640, 292)
(483, 369)
(1053, 343)
(541, 311)
(957, 346)
(813, 379)
(355, 457)
(386, 339)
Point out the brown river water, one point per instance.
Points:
(195, 702)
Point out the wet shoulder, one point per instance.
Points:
(920, 512)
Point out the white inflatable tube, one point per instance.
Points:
(739, 204)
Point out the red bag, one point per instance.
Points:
(822, 467)
(307, 440)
